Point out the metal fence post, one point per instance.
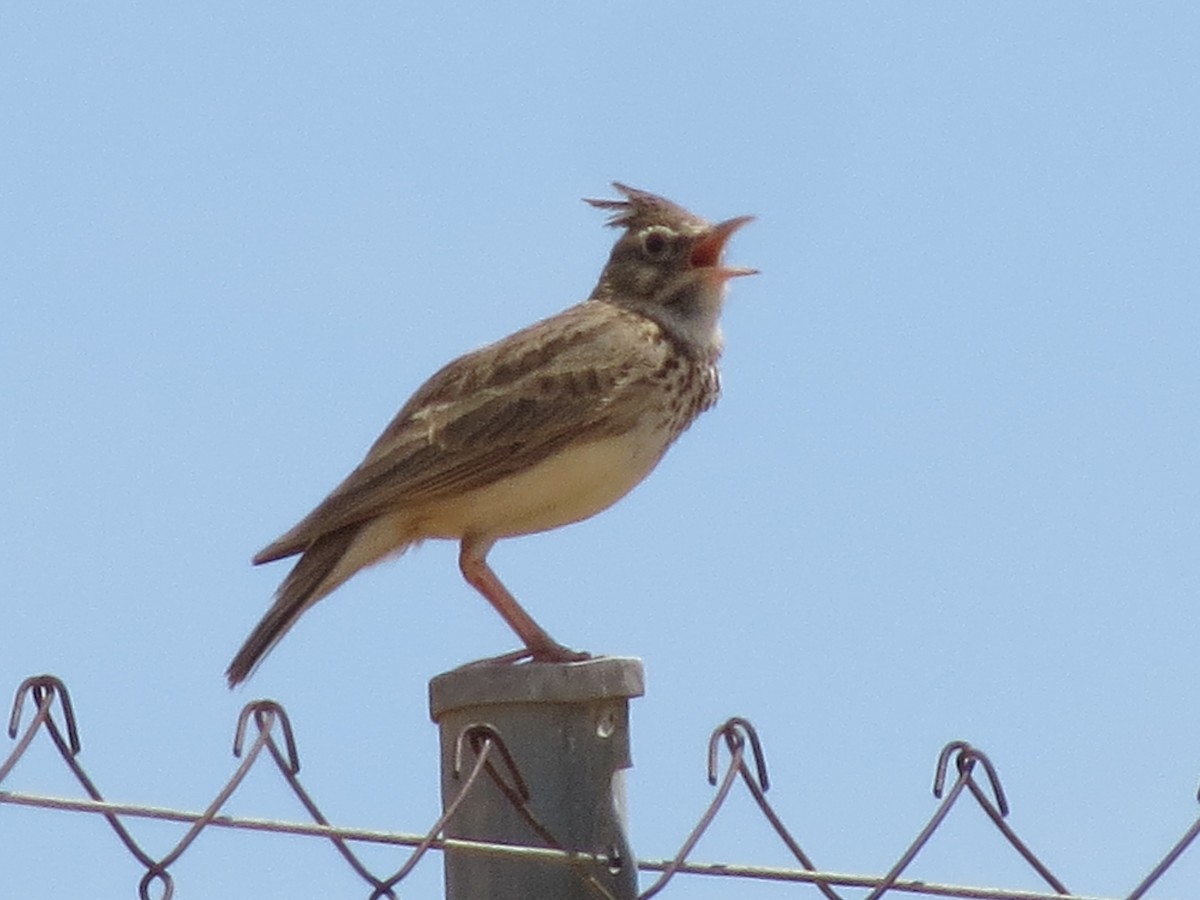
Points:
(566, 727)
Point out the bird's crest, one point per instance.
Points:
(643, 208)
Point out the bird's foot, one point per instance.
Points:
(553, 653)
(557, 653)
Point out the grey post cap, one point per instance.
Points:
(483, 684)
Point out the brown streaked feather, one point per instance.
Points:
(304, 585)
(498, 411)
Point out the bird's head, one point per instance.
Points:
(668, 266)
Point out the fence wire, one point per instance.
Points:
(264, 731)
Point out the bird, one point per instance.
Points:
(546, 427)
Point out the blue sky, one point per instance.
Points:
(951, 490)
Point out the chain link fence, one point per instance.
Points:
(264, 736)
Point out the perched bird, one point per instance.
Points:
(549, 426)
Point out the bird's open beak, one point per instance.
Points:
(706, 254)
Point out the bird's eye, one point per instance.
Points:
(656, 243)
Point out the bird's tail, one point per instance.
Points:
(309, 581)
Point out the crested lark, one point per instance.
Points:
(549, 426)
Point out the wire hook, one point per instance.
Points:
(266, 713)
(735, 731)
(45, 688)
(965, 762)
(480, 734)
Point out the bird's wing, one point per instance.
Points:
(498, 411)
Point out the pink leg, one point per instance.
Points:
(472, 560)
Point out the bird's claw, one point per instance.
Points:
(555, 653)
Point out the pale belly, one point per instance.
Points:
(572, 485)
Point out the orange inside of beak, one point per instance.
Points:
(707, 252)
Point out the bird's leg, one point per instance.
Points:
(472, 561)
